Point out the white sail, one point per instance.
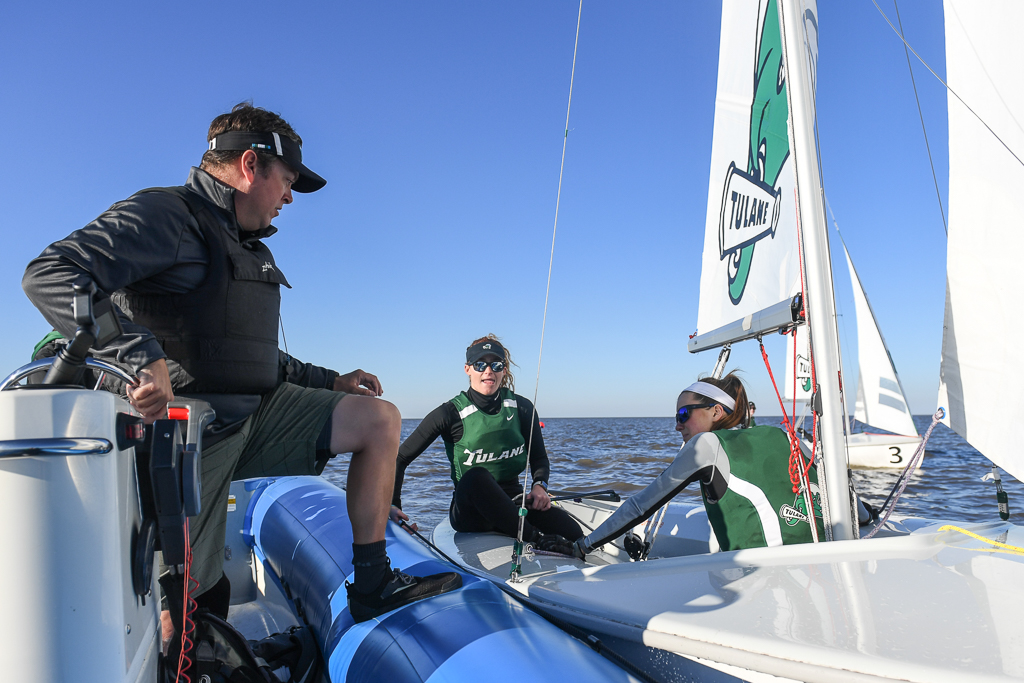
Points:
(750, 258)
(798, 367)
(881, 402)
(982, 376)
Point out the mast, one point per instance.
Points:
(796, 17)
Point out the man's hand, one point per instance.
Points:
(538, 498)
(355, 381)
(154, 391)
(397, 516)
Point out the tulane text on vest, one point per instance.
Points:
(480, 457)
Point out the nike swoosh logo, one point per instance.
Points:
(509, 418)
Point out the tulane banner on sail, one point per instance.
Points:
(750, 259)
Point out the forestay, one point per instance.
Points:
(750, 258)
(982, 376)
(881, 402)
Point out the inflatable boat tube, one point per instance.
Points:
(301, 536)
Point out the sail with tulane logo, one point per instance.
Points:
(750, 260)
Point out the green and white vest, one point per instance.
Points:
(759, 508)
(494, 442)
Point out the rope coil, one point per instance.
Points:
(798, 468)
(188, 608)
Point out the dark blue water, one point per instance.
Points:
(625, 454)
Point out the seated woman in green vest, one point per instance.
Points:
(743, 475)
(485, 431)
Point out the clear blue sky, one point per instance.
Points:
(439, 128)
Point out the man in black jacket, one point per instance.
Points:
(198, 295)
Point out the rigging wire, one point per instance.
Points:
(943, 82)
(920, 113)
(540, 354)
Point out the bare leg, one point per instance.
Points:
(166, 631)
(370, 429)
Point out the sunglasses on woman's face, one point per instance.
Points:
(686, 412)
(481, 365)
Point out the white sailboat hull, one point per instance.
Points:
(926, 606)
(868, 450)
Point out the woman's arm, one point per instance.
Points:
(437, 423)
(702, 458)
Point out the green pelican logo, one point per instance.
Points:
(797, 512)
(750, 200)
(803, 372)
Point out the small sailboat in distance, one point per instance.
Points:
(881, 402)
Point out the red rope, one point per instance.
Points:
(188, 607)
(814, 384)
(797, 466)
(793, 332)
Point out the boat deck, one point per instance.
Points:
(923, 606)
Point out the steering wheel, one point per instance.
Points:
(45, 363)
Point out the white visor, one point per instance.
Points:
(712, 392)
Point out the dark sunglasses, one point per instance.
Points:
(686, 412)
(481, 365)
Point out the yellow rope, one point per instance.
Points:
(1000, 547)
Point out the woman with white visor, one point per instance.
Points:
(743, 474)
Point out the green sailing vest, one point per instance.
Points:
(759, 508)
(494, 442)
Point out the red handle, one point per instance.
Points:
(178, 413)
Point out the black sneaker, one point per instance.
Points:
(397, 589)
(553, 543)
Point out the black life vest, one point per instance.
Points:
(222, 336)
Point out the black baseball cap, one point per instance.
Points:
(283, 146)
(488, 347)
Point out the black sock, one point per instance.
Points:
(371, 564)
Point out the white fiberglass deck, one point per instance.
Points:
(928, 606)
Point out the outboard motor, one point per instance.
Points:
(79, 522)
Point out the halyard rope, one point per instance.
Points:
(797, 467)
(518, 546)
(904, 478)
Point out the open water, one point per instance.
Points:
(625, 454)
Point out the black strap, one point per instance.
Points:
(196, 203)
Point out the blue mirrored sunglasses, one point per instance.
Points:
(686, 412)
(481, 365)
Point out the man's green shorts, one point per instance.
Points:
(278, 439)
